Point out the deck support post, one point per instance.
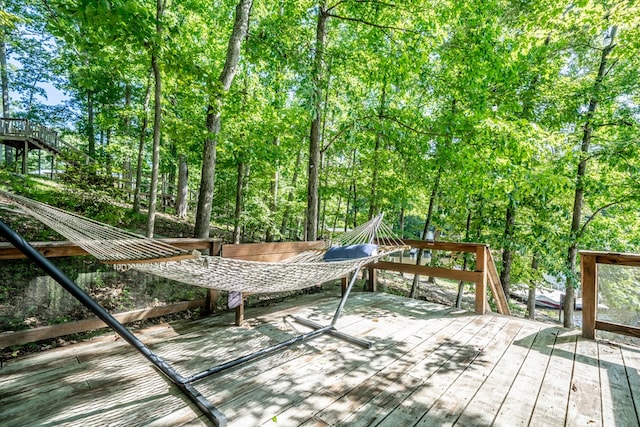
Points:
(481, 283)
(589, 273)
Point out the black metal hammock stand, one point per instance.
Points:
(184, 384)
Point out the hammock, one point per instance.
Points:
(126, 250)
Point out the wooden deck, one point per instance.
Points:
(430, 366)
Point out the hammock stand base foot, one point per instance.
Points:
(334, 332)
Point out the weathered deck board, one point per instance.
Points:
(585, 403)
(429, 365)
(617, 403)
(483, 407)
(551, 404)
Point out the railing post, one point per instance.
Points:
(481, 283)
(373, 278)
(589, 279)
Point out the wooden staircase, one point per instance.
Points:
(25, 136)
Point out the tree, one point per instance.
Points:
(213, 118)
(157, 119)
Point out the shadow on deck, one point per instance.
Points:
(430, 365)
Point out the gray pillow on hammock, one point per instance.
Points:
(342, 253)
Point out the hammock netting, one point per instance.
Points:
(126, 250)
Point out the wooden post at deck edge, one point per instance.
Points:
(481, 283)
(588, 273)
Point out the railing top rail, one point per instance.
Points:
(65, 248)
(445, 246)
(615, 258)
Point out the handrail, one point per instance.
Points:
(589, 261)
(261, 252)
(485, 272)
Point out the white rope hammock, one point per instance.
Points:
(126, 250)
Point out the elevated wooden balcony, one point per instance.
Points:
(25, 136)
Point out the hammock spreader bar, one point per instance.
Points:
(185, 385)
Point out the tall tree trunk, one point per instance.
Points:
(214, 110)
(4, 82)
(373, 206)
(287, 209)
(531, 297)
(273, 192)
(127, 105)
(578, 202)
(238, 211)
(351, 194)
(183, 187)
(507, 251)
(465, 263)
(91, 132)
(316, 122)
(425, 231)
(157, 121)
(143, 134)
(108, 159)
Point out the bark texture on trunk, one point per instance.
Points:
(143, 134)
(316, 123)
(425, 231)
(183, 187)
(576, 221)
(157, 123)
(507, 251)
(207, 178)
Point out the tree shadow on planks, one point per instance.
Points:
(613, 366)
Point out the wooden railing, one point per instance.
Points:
(485, 272)
(589, 261)
(267, 252)
(67, 249)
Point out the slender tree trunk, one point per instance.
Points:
(238, 211)
(273, 192)
(316, 122)
(354, 187)
(465, 263)
(91, 133)
(351, 192)
(507, 251)
(578, 202)
(143, 134)
(4, 82)
(373, 206)
(425, 231)
(214, 110)
(183, 187)
(531, 297)
(109, 164)
(287, 209)
(157, 121)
